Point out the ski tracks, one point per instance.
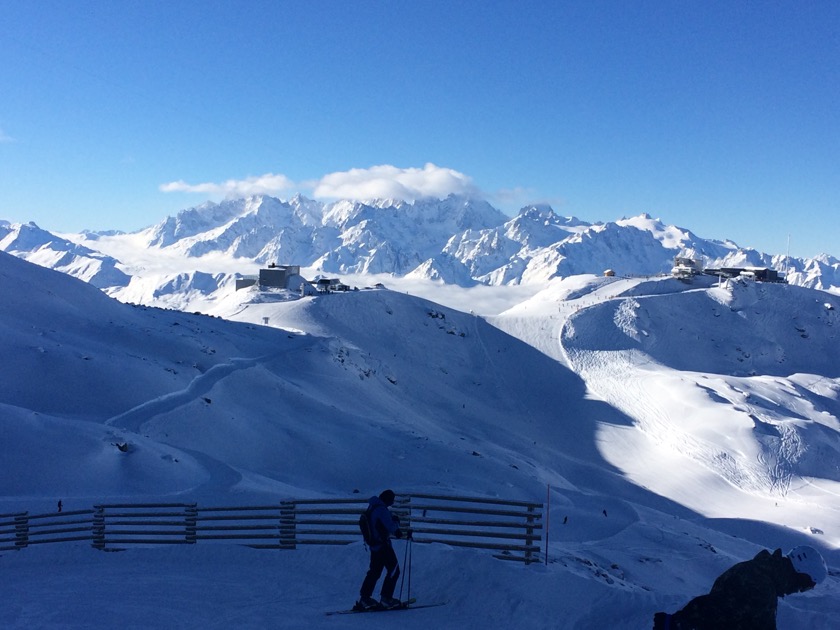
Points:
(133, 419)
(619, 378)
(788, 451)
(220, 474)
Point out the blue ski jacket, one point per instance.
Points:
(383, 524)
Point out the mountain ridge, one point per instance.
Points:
(457, 240)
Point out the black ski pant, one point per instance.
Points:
(382, 558)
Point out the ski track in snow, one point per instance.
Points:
(624, 379)
(222, 476)
(133, 419)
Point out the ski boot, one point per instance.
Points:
(366, 603)
(390, 602)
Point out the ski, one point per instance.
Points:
(406, 605)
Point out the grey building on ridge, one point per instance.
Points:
(276, 276)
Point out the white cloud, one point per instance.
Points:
(267, 184)
(513, 199)
(387, 181)
(4, 137)
(514, 194)
(376, 182)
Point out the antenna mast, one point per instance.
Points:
(787, 258)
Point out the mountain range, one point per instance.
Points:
(457, 241)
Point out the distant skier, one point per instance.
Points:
(383, 524)
(745, 596)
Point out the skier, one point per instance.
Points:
(382, 525)
(745, 596)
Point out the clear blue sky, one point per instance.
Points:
(720, 117)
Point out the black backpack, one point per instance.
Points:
(365, 527)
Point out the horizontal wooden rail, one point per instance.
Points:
(525, 504)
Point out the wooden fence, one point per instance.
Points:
(21, 530)
(512, 529)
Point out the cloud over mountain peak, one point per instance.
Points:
(383, 181)
(391, 182)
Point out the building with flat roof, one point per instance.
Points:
(275, 276)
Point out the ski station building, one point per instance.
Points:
(275, 276)
(686, 268)
(761, 274)
(288, 277)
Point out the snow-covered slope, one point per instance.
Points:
(737, 385)
(324, 396)
(422, 377)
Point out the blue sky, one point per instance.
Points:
(720, 117)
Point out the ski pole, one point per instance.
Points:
(410, 553)
(405, 556)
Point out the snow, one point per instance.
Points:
(676, 428)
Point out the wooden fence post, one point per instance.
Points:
(529, 535)
(288, 529)
(98, 527)
(190, 520)
(22, 530)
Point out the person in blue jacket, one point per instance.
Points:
(383, 525)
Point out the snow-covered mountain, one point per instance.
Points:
(458, 240)
(678, 428)
(30, 242)
(387, 236)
